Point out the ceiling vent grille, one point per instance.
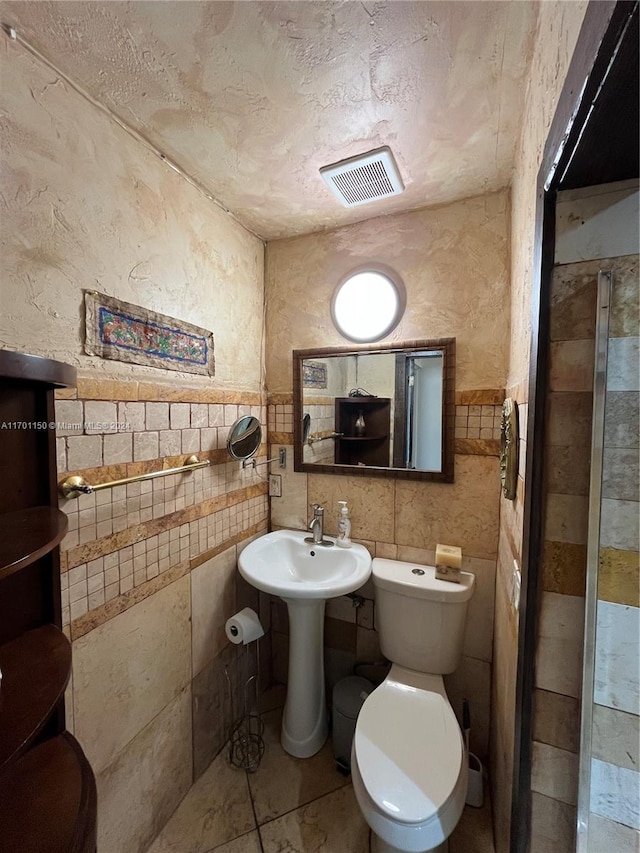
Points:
(367, 177)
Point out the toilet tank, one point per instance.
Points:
(420, 620)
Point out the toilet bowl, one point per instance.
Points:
(408, 761)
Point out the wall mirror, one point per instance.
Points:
(244, 437)
(383, 411)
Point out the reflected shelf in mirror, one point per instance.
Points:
(383, 410)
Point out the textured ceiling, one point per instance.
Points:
(251, 98)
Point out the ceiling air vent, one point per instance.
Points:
(364, 178)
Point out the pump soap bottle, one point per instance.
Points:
(344, 526)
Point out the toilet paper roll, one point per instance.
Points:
(244, 627)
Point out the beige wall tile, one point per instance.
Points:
(616, 737)
(571, 365)
(622, 419)
(623, 364)
(213, 601)
(505, 651)
(463, 513)
(621, 473)
(552, 825)
(370, 500)
(478, 635)
(556, 720)
(623, 319)
(619, 522)
(128, 669)
(100, 417)
(554, 773)
(559, 650)
(141, 787)
(84, 451)
(569, 418)
(566, 518)
(573, 302)
(564, 567)
(608, 835)
(292, 509)
(472, 681)
(567, 469)
(339, 634)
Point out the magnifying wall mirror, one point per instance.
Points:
(380, 410)
(244, 437)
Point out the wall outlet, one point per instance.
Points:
(516, 581)
(275, 485)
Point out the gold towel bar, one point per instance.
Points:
(75, 486)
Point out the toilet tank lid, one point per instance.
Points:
(401, 577)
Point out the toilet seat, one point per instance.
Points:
(409, 748)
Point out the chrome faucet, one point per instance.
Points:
(316, 527)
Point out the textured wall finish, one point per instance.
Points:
(252, 98)
(85, 206)
(453, 262)
(557, 31)
(452, 259)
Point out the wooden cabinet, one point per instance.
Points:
(47, 788)
(372, 447)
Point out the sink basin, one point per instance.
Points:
(304, 576)
(283, 564)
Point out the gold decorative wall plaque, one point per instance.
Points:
(509, 449)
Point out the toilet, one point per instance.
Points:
(408, 761)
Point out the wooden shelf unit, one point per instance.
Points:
(47, 788)
(373, 447)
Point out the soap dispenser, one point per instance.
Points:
(344, 526)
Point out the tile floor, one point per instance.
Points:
(287, 806)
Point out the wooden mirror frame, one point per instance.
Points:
(448, 347)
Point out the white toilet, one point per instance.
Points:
(408, 762)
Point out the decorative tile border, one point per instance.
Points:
(477, 446)
(95, 548)
(480, 397)
(280, 438)
(102, 613)
(91, 388)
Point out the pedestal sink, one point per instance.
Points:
(304, 576)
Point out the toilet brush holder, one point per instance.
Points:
(475, 792)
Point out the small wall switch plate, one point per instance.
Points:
(275, 485)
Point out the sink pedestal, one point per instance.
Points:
(304, 721)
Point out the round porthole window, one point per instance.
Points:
(368, 304)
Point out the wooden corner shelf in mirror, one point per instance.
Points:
(376, 410)
(28, 534)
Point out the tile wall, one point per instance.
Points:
(564, 561)
(558, 681)
(615, 774)
(149, 577)
(402, 520)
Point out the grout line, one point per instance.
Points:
(253, 809)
